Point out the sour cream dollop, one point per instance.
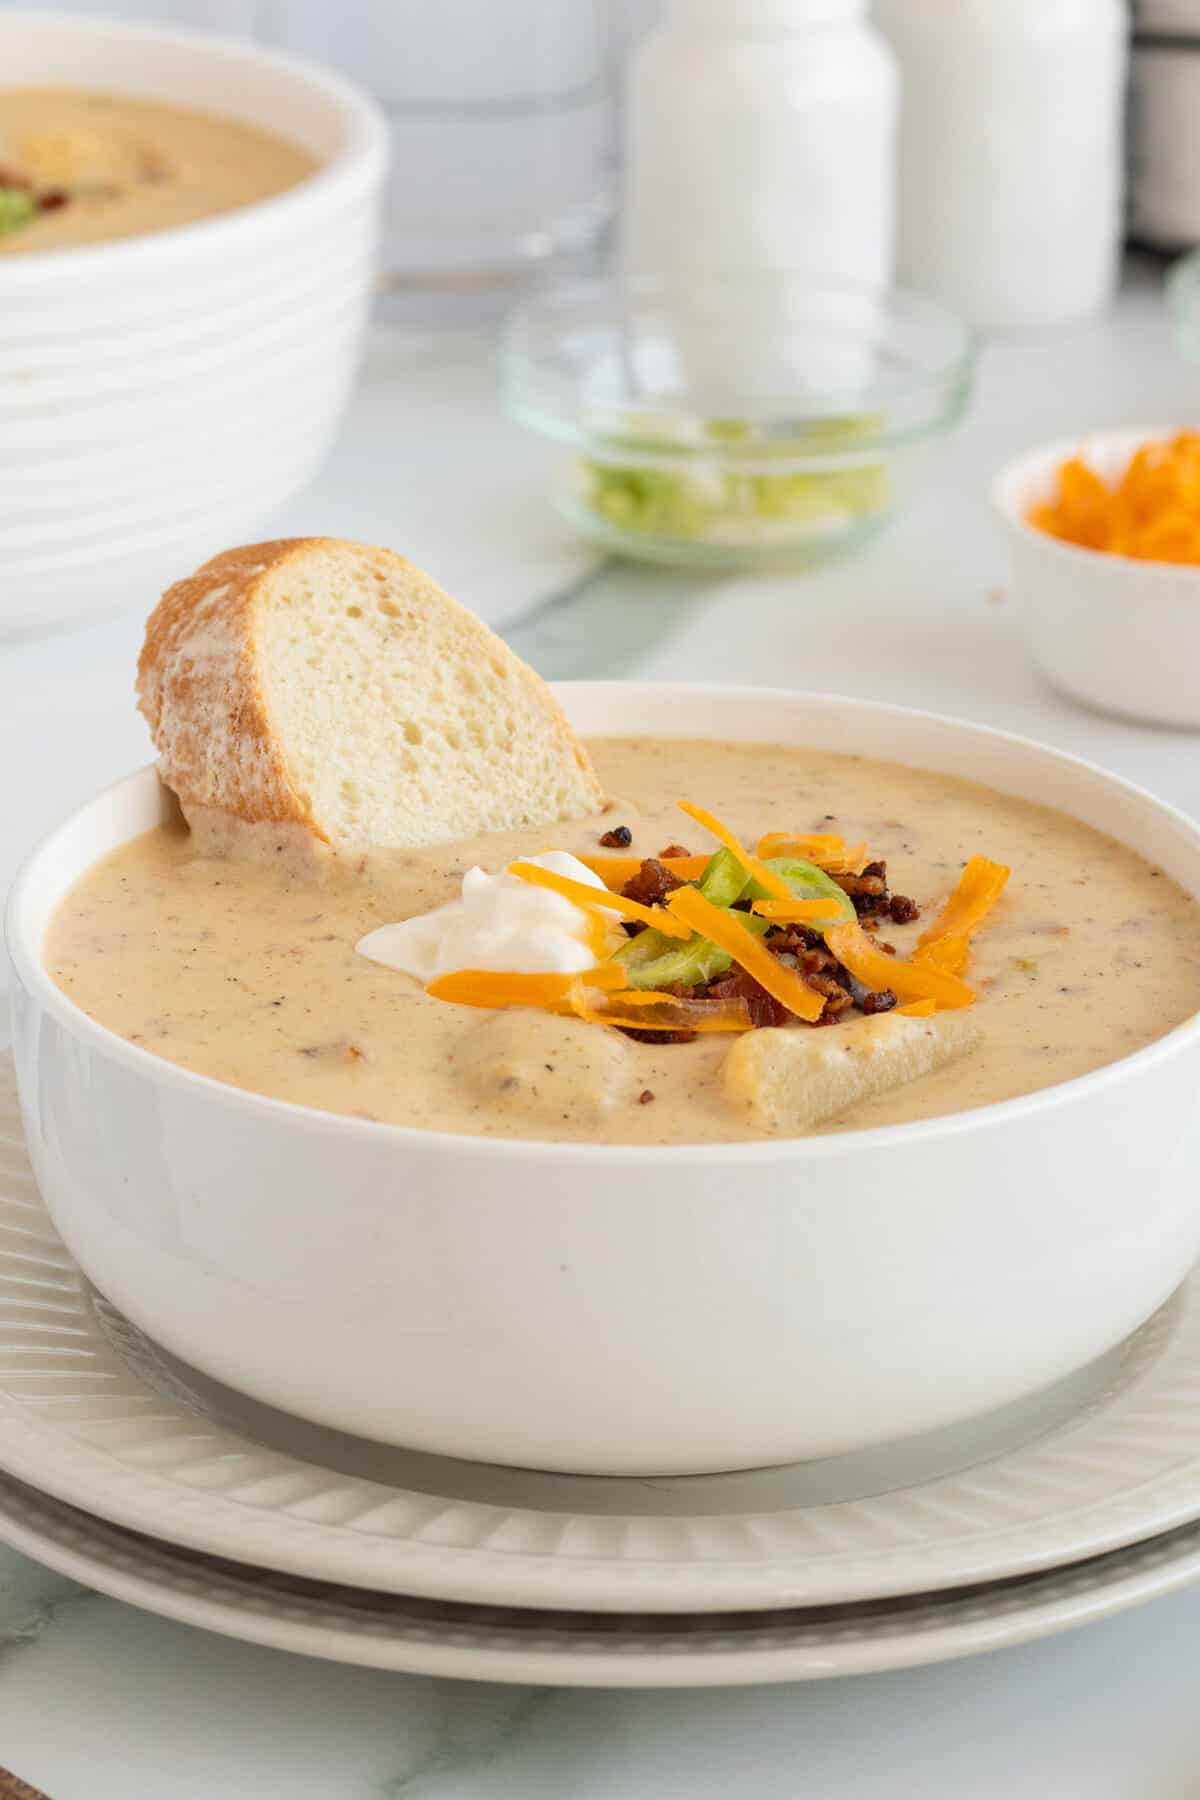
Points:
(499, 922)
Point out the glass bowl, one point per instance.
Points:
(733, 422)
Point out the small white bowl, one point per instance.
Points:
(162, 396)
(1121, 634)
(617, 1309)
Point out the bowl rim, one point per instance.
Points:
(1010, 478)
(360, 162)
(31, 973)
(551, 403)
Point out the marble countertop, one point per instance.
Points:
(99, 1702)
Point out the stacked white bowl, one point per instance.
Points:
(162, 397)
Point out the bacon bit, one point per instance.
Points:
(800, 941)
(580, 894)
(636, 1035)
(678, 853)
(652, 883)
(645, 1097)
(866, 886)
(764, 1009)
(796, 911)
(616, 871)
(908, 980)
(619, 838)
(979, 887)
(836, 997)
(497, 988)
(726, 930)
(777, 888)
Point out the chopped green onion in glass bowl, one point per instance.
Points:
(733, 424)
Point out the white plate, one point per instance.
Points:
(92, 1412)
(562, 1649)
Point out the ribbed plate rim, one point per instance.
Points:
(574, 1650)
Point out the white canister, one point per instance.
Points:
(1164, 145)
(1011, 154)
(760, 137)
(1181, 17)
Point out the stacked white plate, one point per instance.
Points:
(163, 396)
(148, 1481)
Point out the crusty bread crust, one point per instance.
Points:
(199, 686)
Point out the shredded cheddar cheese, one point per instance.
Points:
(852, 862)
(1151, 512)
(775, 885)
(598, 900)
(907, 980)
(725, 929)
(948, 953)
(932, 979)
(497, 988)
(796, 911)
(596, 935)
(811, 845)
(824, 849)
(647, 1011)
(946, 943)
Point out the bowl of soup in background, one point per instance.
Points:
(617, 1309)
(163, 394)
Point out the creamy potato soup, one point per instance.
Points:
(82, 168)
(248, 971)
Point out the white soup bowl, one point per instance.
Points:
(618, 1309)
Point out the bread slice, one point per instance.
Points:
(333, 692)
(789, 1081)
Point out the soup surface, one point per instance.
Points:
(248, 971)
(98, 166)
